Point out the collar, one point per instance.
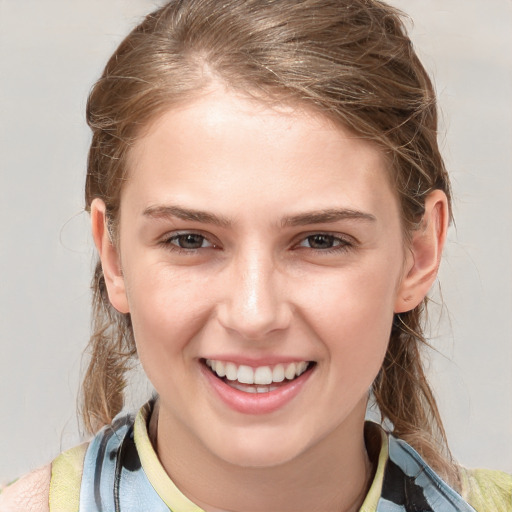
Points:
(178, 502)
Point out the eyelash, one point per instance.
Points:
(343, 244)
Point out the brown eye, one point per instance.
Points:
(322, 241)
(325, 242)
(190, 241)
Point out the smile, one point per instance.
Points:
(256, 389)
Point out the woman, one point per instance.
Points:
(269, 206)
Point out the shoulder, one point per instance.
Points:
(57, 483)
(28, 494)
(487, 489)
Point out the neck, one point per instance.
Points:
(333, 475)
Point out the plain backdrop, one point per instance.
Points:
(51, 51)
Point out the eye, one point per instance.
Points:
(189, 241)
(323, 241)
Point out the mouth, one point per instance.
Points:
(260, 379)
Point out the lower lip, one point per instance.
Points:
(256, 403)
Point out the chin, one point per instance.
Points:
(253, 451)
(257, 459)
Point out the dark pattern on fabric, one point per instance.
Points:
(411, 485)
(109, 432)
(128, 456)
(113, 479)
(402, 490)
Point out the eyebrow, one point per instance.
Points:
(326, 217)
(303, 219)
(179, 212)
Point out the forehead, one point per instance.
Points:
(222, 144)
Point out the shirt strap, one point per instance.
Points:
(66, 479)
(372, 430)
(156, 474)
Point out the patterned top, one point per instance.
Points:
(119, 471)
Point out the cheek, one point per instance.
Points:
(364, 294)
(352, 313)
(167, 309)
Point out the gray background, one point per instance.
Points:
(50, 53)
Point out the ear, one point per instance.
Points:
(426, 248)
(109, 256)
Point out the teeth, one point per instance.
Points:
(231, 371)
(245, 375)
(278, 373)
(301, 367)
(262, 376)
(289, 373)
(220, 368)
(252, 389)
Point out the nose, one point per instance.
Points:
(254, 304)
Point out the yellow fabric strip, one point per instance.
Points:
(487, 490)
(372, 498)
(66, 480)
(156, 474)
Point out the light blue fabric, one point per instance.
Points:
(113, 480)
(439, 495)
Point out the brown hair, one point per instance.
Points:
(349, 59)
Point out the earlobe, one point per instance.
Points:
(425, 253)
(109, 256)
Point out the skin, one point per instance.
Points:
(28, 494)
(259, 287)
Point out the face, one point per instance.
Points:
(261, 258)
